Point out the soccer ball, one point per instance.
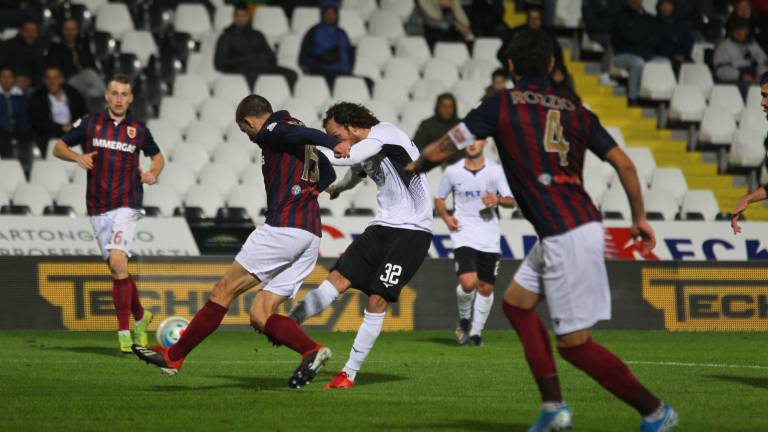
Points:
(170, 330)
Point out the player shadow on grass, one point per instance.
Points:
(100, 350)
(271, 383)
(449, 341)
(464, 425)
(759, 382)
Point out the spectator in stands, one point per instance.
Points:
(486, 17)
(243, 50)
(14, 121)
(72, 54)
(54, 107)
(25, 53)
(445, 20)
(325, 49)
(599, 17)
(435, 127)
(634, 40)
(498, 82)
(675, 35)
(738, 58)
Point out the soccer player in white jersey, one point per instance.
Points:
(478, 187)
(391, 249)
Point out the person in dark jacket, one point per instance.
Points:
(325, 49)
(25, 53)
(54, 107)
(243, 50)
(14, 120)
(675, 38)
(599, 17)
(432, 128)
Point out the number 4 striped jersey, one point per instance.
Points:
(542, 135)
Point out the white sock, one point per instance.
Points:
(464, 299)
(122, 332)
(366, 336)
(483, 306)
(551, 407)
(656, 415)
(317, 300)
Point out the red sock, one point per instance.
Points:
(612, 374)
(121, 297)
(538, 351)
(287, 332)
(136, 309)
(205, 322)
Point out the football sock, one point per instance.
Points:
(318, 299)
(464, 299)
(482, 309)
(205, 322)
(123, 332)
(366, 336)
(538, 351)
(286, 331)
(656, 415)
(121, 297)
(611, 373)
(136, 309)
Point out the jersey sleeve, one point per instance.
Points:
(445, 187)
(286, 136)
(502, 185)
(359, 152)
(150, 147)
(599, 140)
(76, 135)
(479, 123)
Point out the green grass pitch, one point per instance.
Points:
(415, 381)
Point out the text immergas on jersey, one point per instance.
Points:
(114, 145)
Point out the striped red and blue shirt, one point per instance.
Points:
(114, 181)
(542, 135)
(294, 171)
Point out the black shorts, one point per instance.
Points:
(469, 260)
(383, 259)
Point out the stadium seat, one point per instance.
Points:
(233, 156)
(470, 91)
(717, 127)
(479, 70)
(413, 113)
(402, 69)
(92, 5)
(363, 198)
(192, 19)
(288, 51)
(80, 177)
(165, 133)
(219, 175)
(313, 89)
(304, 18)
(386, 24)
(271, 21)
(455, 53)
(568, 14)
(113, 18)
(350, 89)
(192, 88)
(231, 88)
(223, 17)
(50, 174)
(615, 205)
(441, 70)
(34, 196)
(192, 155)
(671, 179)
(366, 68)
(727, 96)
(73, 195)
(595, 185)
(401, 8)
(140, 43)
(4, 198)
(236, 138)
(352, 23)
(698, 51)
(273, 87)
(747, 150)
(593, 164)
(300, 109)
(375, 49)
(753, 99)
(754, 119)
(178, 176)
(245, 197)
(383, 110)
(392, 91)
(617, 136)
(485, 48)
(414, 48)
(427, 90)
(687, 104)
(657, 82)
(337, 206)
(219, 113)
(163, 197)
(363, 7)
(208, 135)
(177, 111)
(203, 65)
(699, 204)
(698, 75)
(661, 202)
(207, 198)
(253, 175)
(644, 161)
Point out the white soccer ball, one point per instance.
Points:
(170, 330)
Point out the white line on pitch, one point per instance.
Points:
(703, 365)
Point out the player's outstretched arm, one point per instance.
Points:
(757, 195)
(350, 180)
(62, 151)
(296, 135)
(432, 155)
(150, 177)
(358, 153)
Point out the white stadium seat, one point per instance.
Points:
(253, 175)
(402, 69)
(661, 201)
(300, 109)
(223, 17)
(391, 90)
(456, 53)
(34, 196)
(717, 126)
(383, 110)
(657, 82)
(245, 197)
(233, 156)
(73, 195)
(363, 7)
(615, 201)
(219, 175)
(288, 52)
(207, 198)
(644, 161)
(49, 174)
(363, 196)
(337, 206)
(4, 198)
(114, 18)
(687, 104)
(208, 135)
(192, 88)
(235, 137)
(671, 179)
(166, 134)
(386, 24)
(203, 65)
(230, 88)
(163, 197)
(485, 48)
(191, 155)
(218, 112)
(271, 21)
(568, 14)
(366, 68)
(701, 202)
(727, 96)
(697, 53)
(698, 75)
(753, 98)
(414, 48)
(273, 87)
(350, 89)
(177, 111)
(313, 89)
(470, 91)
(479, 69)
(139, 42)
(177, 176)
(304, 18)
(428, 90)
(375, 49)
(352, 23)
(441, 70)
(413, 113)
(92, 5)
(80, 177)
(593, 164)
(754, 119)
(401, 8)
(595, 185)
(747, 149)
(192, 19)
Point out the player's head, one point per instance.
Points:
(475, 150)
(119, 94)
(53, 79)
(764, 92)
(251, 114)
(530, 54)
(445, 107)
(7, 77)
(241, 17)
(349, 122)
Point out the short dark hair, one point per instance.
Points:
(29, 21)
(7, 67)
(52, 67)
(530, 52)
(121, 78)
(252, 105)
(500, 72)
(241, 6)
(350, 114)
(764, 79)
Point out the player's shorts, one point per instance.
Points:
(280, 257)
(382, 260)
(571, 267)
(116, 229)
(469, 260)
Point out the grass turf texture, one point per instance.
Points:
(419, 381)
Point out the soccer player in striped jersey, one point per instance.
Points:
(542, 136)
(111, 141)
(478, 186)
(279, 254)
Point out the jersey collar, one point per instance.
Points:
(128, 116)
(539, 82)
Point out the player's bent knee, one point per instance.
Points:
(468, 282)
(338, 281)
(118, 264)
(484, 289)
(573, 339)
(376, 304)
(223, 292)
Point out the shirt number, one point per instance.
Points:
(391, 274)
(554, 139)
(311, 171)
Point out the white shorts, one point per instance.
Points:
(572, 268)
(280, 257)
(116, 229)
